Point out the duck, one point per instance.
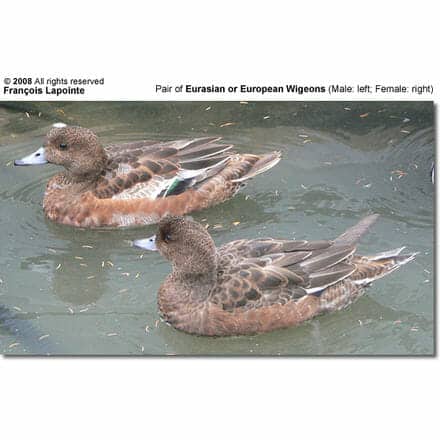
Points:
(252, 286)
(138, 183)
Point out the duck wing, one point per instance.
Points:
(263, 272)
(149, 169)
(267, 246)
(301, 268)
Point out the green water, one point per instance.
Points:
(69, 291)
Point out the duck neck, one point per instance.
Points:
(195, 288)
(87, 177)
(199, 282)
(88, 171)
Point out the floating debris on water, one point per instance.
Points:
(43, 337)
(58, 267)
(86, 246)
(112, 334)
(227, 124)
(399, 173)
(364, 115)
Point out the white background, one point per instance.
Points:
(136, 44)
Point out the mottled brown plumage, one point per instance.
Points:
(254, 286)
(140, 182)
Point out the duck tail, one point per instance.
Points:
(368, 269)
(352, 235)
(393, 254)
(264, 163)
(373, 267)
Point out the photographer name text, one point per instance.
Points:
(28, 86)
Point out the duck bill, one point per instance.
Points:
(147, 243)
(36, 158)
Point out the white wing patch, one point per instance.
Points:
(123, 168)
(145, 190)
(134, 219)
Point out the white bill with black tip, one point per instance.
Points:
(36, 158)
(147, 243)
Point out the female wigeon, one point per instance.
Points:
(254, 286)
(138, 183)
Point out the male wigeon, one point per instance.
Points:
(254, 286)
(139, 182)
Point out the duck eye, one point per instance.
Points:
(167, 238)
(63, 146)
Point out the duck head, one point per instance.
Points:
(185, 243)
(75, 148)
